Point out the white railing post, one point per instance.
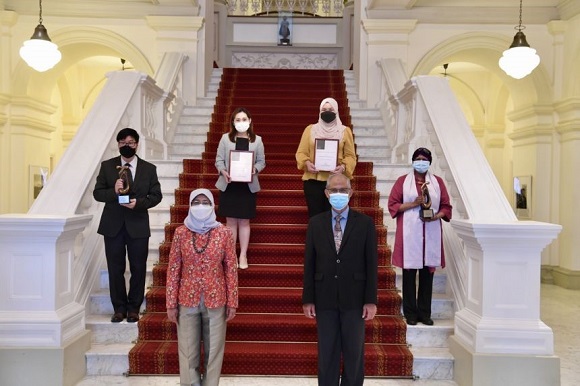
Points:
(38, 312)
(499, 337)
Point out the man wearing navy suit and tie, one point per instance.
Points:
(340, 284)
(125, 223)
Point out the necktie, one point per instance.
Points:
(337, 232)
(129, 174)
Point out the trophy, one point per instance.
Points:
(125, 176)
(426, 213)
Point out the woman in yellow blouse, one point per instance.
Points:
(329, 126)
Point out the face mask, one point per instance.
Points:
(242, 127)
(201, 212)
(338, 201)
(328, 116)
(421, 166)
(127, 151)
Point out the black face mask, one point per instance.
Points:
(328, 116)
(127, 151)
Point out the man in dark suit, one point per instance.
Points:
(125, 226)
(340, 284)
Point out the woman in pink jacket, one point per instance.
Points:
(202, 289)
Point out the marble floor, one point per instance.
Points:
(560, 308)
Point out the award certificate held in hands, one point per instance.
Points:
(325, 154)
(241, 165)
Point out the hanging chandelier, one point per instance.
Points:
(519, 60)
(39, 52)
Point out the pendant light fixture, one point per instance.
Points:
(39, 52)
(519, 60)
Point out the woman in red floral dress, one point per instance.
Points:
(202, 289)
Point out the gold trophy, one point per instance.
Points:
(123, 193)
(426, 213)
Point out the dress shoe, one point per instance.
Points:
(243, 262)
(411, 321)
(118, 317)
(132, 317)
(426, 321)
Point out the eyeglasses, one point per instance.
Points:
(197, 203)
(341, 190)
(128, 143)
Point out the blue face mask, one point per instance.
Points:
(338, 201)
(421, 166)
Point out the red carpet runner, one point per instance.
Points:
(270, 335)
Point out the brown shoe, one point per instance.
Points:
(117, 318)
(133, 317)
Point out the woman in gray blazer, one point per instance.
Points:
(237, 202)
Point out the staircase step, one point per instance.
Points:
(274, 276)
(248, 358)
(285, 198)
(432, 363)
(275, 300)
(279, 234)
(276, 215)
(272, 181)
(100, 303)
(108, 359)
(112, 359)
(276, 166)
(274, 328)
(277, 254)
(105, 332)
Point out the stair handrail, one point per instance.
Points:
(394, 77)
(169, 77)
(128, 99)
(426, 113)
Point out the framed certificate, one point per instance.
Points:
(241, 165)
(325, 154)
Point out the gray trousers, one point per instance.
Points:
(193, 324)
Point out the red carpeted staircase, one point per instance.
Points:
(270, 335)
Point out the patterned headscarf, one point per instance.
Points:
(196, 225)
(332, 130)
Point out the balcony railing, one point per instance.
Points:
(312, 8)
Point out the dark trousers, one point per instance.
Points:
(417, 301)
(116, 248)
(316, 199)
(340, 332)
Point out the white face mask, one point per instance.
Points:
(338, 201)
(421, 166)
(242, 126)
(201, 212)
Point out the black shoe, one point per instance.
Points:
(133, 317)
(118, 317)
(426, 321)
(411, 321)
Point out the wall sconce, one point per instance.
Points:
(519, 60)
(39, 52)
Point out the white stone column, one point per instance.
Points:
(182, 34)
(384, 39)
(499, 332)
(42, 328)
(567, 274)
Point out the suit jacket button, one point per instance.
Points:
(338, 261)
(336, 276)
